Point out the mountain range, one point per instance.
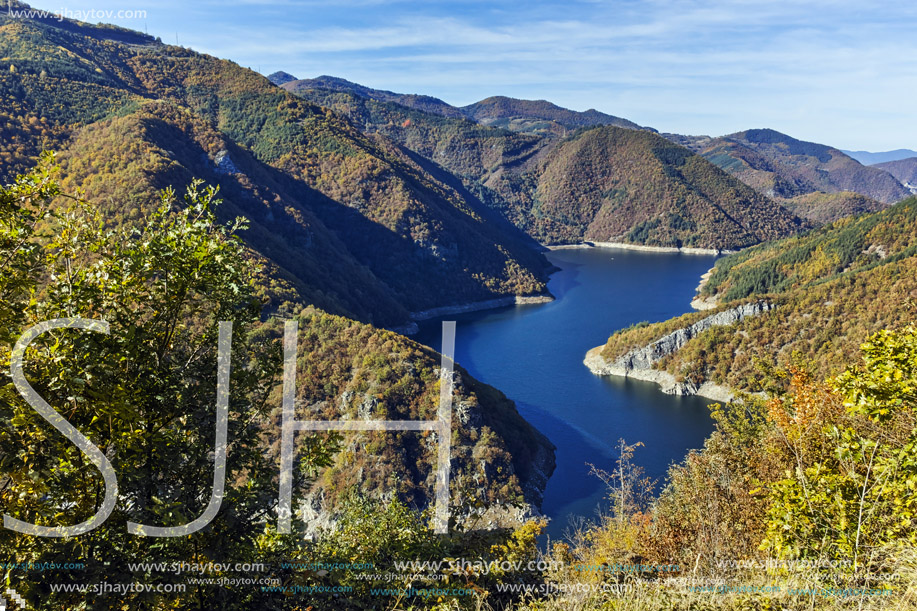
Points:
(416, 203)
(603, 183)
(867, 158)
(353, 223)
(776, 165)
(348, 224)
(783, 167)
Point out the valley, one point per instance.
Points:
(672, 349)
(390, 209)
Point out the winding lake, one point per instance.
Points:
(534, 354)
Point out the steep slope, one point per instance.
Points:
(342, 221)
(781, 166)
(352, 371)
(848, 246)
(160, 145)
(830, 289)
(820, 208)
(648, 191)
(905, 170)
(425, 242)
(614, 184)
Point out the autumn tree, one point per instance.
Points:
(850, 492)
(144, 392)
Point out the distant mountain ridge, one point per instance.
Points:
(534, 116)
(904, 170)
(868, 158)
(610, 184)
(776, 165)
(602, 183)
(347, 222)
(528, 115)
(332, 83)
(787, 167)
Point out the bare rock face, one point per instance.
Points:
(475, 467)
(638, 363)
(224, 164)
(643, 358)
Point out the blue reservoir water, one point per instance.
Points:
(534, 354)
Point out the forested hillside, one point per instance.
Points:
(904, 170)
(603, 183)
(327, 202)
(813, 181)
(781, 166)
(337, 228)
(141, 385)
(833, 288)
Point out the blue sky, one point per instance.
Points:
(839, 72)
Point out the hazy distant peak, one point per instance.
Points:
(787, 144)
(905, 170)
(333, 82)
(781, 166)
(766, 135)
(868, 158)
(280, 77)
(425, 103)
(500, 109)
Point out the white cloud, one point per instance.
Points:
(679, 65)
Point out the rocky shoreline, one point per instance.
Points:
(474, 306)
(626, 246)
(704, 303)
(665, 380)
(638, 363)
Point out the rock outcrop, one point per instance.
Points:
(499, 302)
(223, 164)
(638, 363)
(475, 469)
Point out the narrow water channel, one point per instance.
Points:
(534, 354)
